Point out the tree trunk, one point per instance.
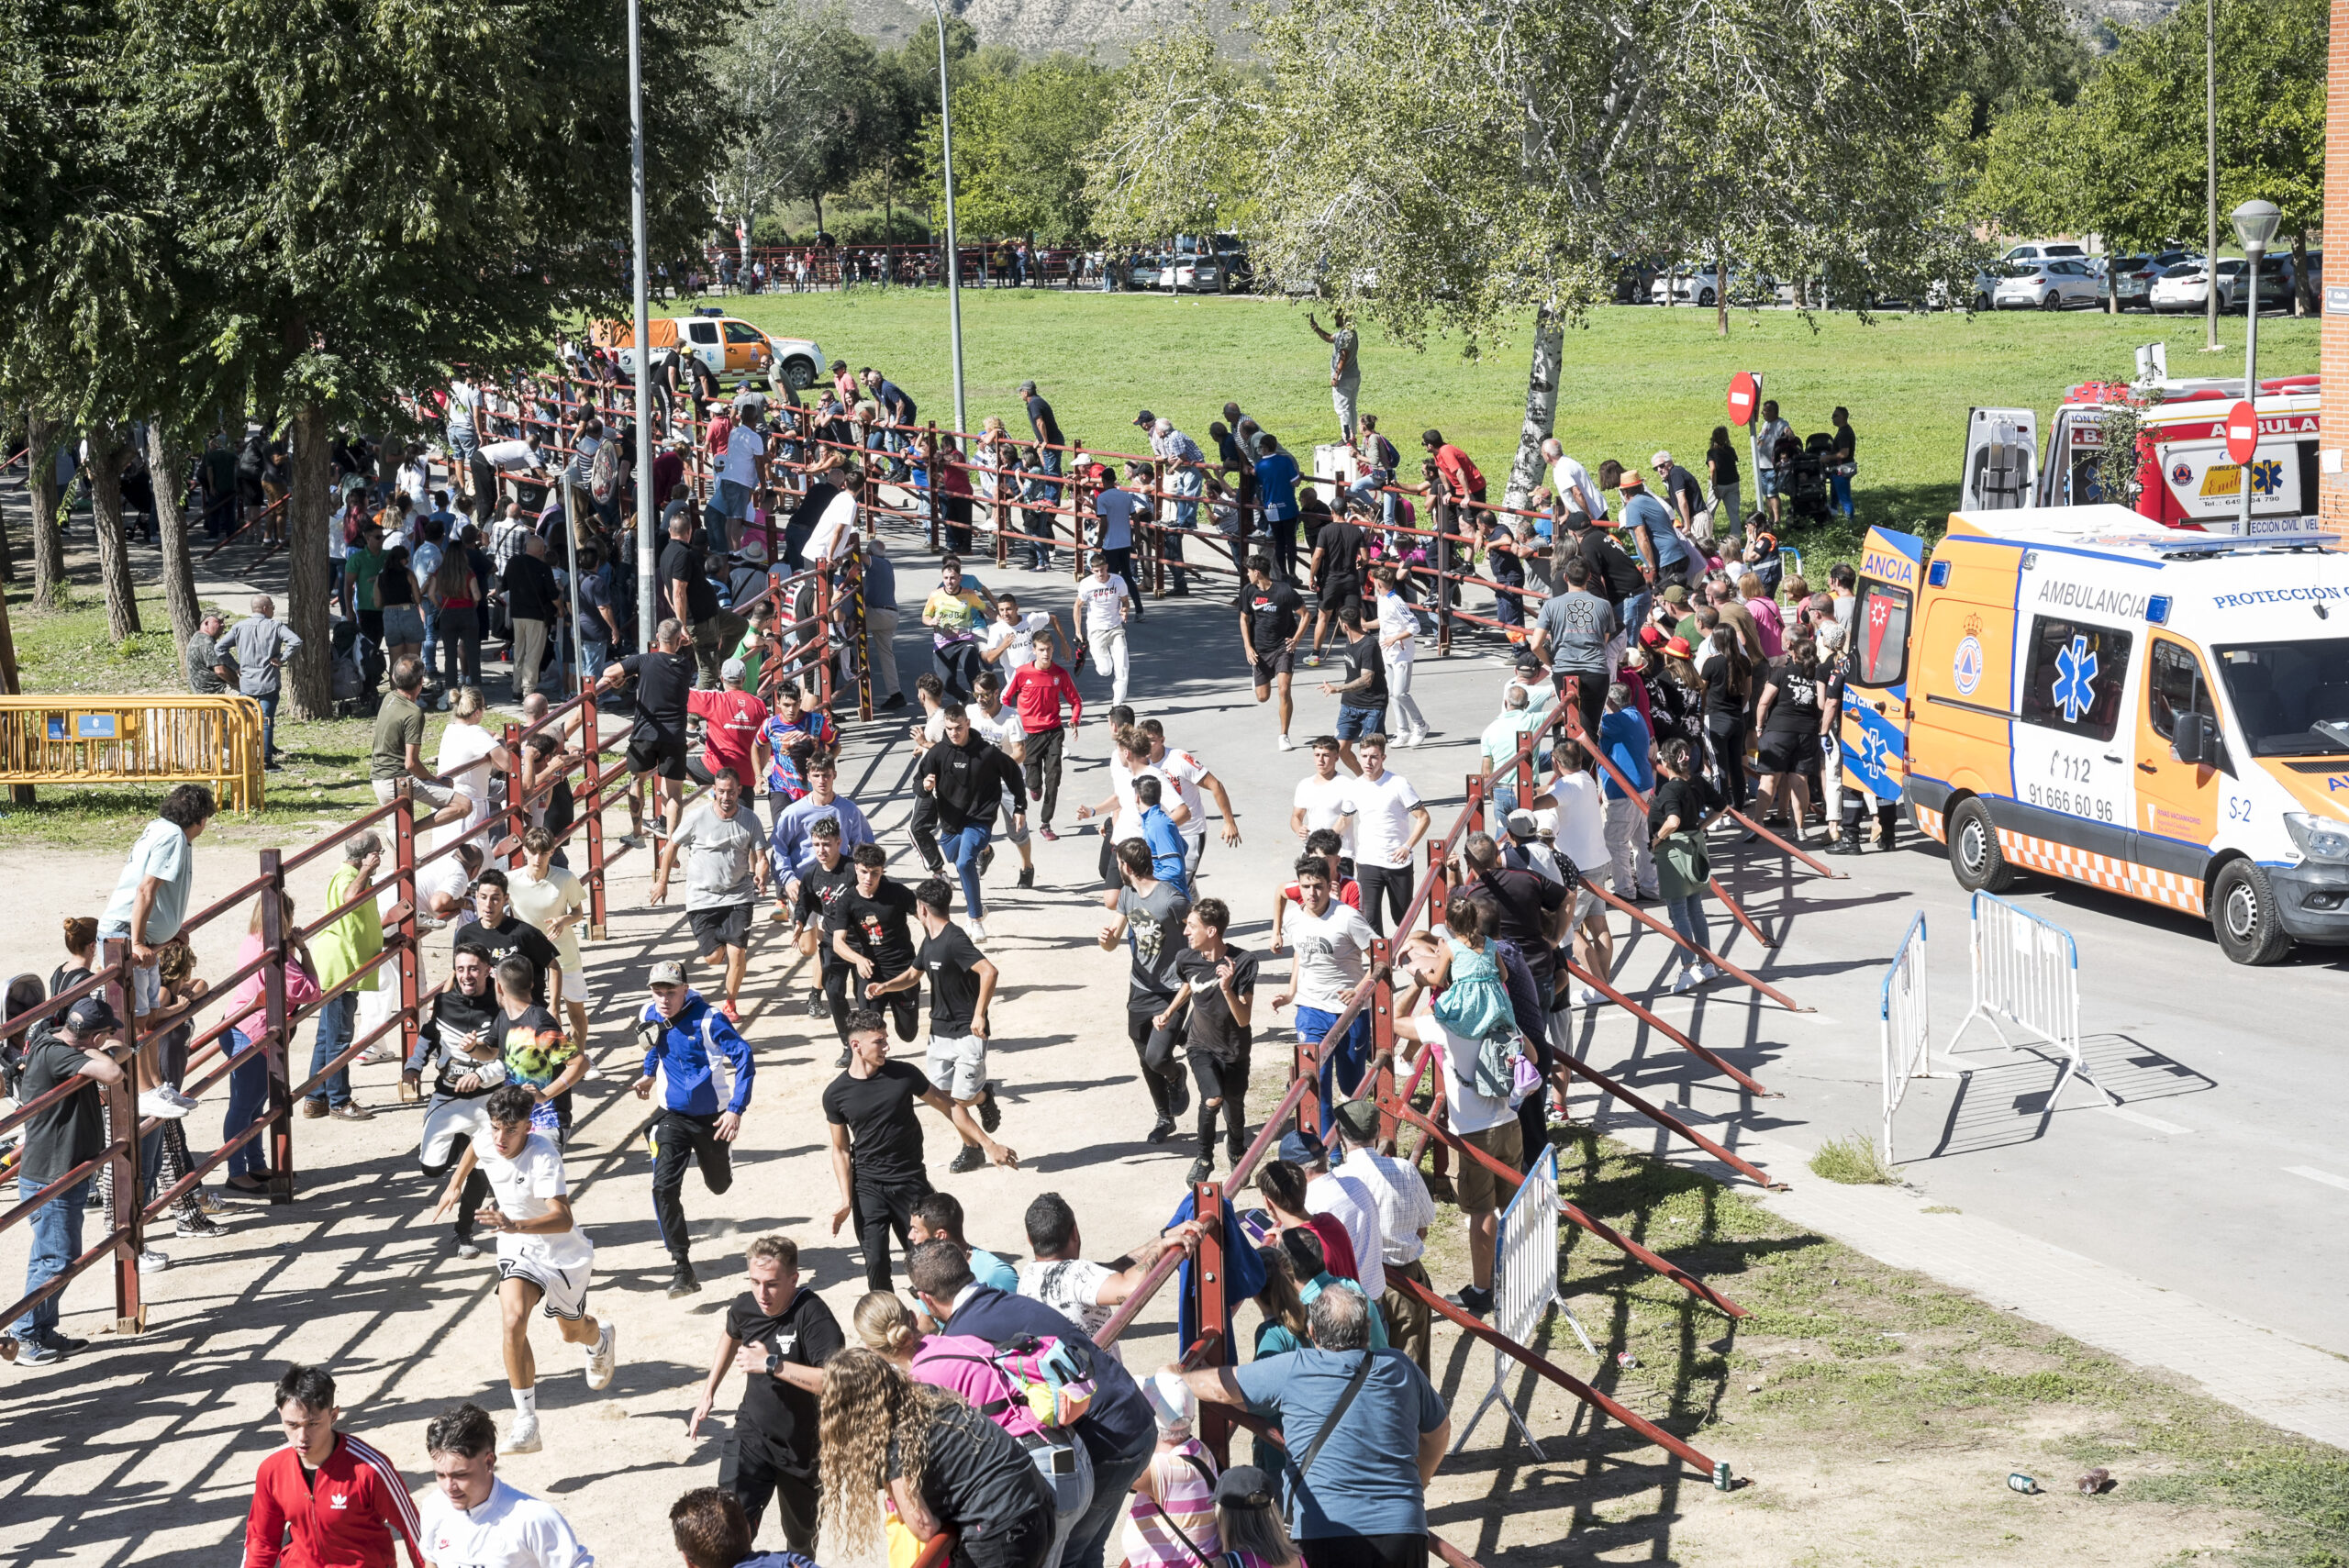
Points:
(308, 605)
(114, 547)
(2304, 302)
(42, 434)
(1540, 406)
(817, 198)
(167, 465)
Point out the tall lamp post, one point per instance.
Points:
(953, 240)
(2254, 224)
(646, 567)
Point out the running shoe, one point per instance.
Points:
(1475, 1303)
(466, 1246)
(1201, 1169)
(733, 1014)
(1163, 1130)
(968, 1159)
(156, 1103)
(185, 1101)
(32, 1352)
(979, 931)
(986, 859)
(602, 1359)
(818, 1005)
(150, 1261)
(1288, 744)
(198, 1224)
(1046, 833)
(1178, 1095)
(1026, 876)
(990, 1113)
(1686, 983)
(1588, 996)
(682, 1282)
(1709, 971)
(521, 1437)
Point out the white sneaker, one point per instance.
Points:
(150, 1261)
(1288, 744)
(1687, 981)
(521, 1436)
(154, 1103)
(1709, 971)
(978, 930)
(602, 1359)
(1589, 995)
(179, 1097)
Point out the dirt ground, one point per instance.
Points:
(1853, 1445)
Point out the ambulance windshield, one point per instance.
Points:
(2291, 698)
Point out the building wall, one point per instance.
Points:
(2334, 483)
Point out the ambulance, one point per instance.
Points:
(2085, 692)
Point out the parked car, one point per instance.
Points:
(2047, 250)
(2132, 277)
(2187, 286)
(1225, 272)
(1701, 286)
(2044, 285)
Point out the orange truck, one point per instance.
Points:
(2082, 692)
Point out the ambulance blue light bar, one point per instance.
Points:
(1937, 574)
(2157, 610)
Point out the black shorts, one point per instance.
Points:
(1281, 661)
(658, 753)
(1789, 750)
(1340, 592)
(727, 926)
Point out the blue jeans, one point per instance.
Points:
(1839, 493)
(1635, 614)
(1342, 1065)
(268, 727)
(248, 1093)
(1112, 1479)
(593, 657)
(56, 1228)
(1688, 917)
(963, 847)
(431, 635)
(337, 1020)
(1353, 723)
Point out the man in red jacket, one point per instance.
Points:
(1036, 692)
(325, 1499)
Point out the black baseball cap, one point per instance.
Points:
(1145, 417)
(91, 1015)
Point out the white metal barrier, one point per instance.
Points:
(1525, 1287)
(2027, 971)
(1906, 1024)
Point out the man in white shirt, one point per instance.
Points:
(1351, 1204)
(1008, 641)
(1581, 838)
(1085, 1292)
(470, 1516)
(1332, 944)
(835, 530)
(1000, 727)
(1572, 484)
(1117, 509)
(514, 457)
(1485, 1124)
(1406, 1211)
(1193, 783)
(741, 472)
(1389, 824)
(1104, 604)
(1325, 799)
(1129, 761)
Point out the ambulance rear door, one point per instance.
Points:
(1873, 732)
(2001, 460)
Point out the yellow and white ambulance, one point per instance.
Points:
(2091, 694)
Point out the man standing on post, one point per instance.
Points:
(56, 1140)
(876, 1140)
(1573, 632)
(725, 878)
(325, 1499)
(779, 1336)
(683, 1036)
(261, 644)
(1345, 368)
(150, 900)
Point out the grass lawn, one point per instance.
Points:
(1635, 378)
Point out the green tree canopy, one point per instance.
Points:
(1018, 142)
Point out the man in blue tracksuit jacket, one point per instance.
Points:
(683, 1036)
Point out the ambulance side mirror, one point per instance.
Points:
(2196, 740)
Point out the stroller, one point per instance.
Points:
(1802, 479)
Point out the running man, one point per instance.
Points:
(791, 845)
(1324, 800)
(999, 726)
(1104, 604)
(1215, 984)
(1036, 693)
(870, 930)
(962, 984)
(1272, 623)
(966, 780)
(1149, 914)
(1332, 953)
(470, 1516)
(812, 894)
(543, 1258)
(656, 744)
(462, 1035)
(1190, 778)
(683, 1036)
(325, 1498)
(778, 1335)
(876, 1140)
(725, 878)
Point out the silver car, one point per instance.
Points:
(2046, 285)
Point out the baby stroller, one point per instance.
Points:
(1802, 480)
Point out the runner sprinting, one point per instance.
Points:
(1192, 781)
(962, 984)
(725, 877)
(543, 1258)
(813, 892)
(1272, 623)
(870, 930)
(1036, 693)
(1332, 943)
(1149, 916)
(1215, 984)
(471, 1517)
(325, 1498)
(999, 726)
(791, 846)
(462, 1035)
(684, 1037)
(1104, 606)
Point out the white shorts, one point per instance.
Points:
(1586, 904)
(958, 1064)
(563, 1292)
(437, 796)
(447, 1125)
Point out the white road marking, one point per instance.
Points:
(2314, 1174)
(2144, 1120)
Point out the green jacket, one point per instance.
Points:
(351, 941)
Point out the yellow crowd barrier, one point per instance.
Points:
(78, 739)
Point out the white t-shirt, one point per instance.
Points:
(1351, 1202)
(512, 1529)
(1573, 485)
(744, 447)
(1020, 634)
(1184, 772)
(464, 760)
(1117, 508)
(1127, 824)
(1330, 953)
(1582, 823)
(1069, 1285)
(1105, 605)
(1469, 1111)
(541, 904)
(1384, 825)
(509, 457)
(1329, 803)
(1001, 729)
(522, 1187)
(1396, 618)
(829, 542)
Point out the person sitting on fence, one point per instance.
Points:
(396, 749)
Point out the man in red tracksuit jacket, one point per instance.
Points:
(1036, 692)
(325, 1499)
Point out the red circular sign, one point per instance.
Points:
(2243, 433)
(1742, 393)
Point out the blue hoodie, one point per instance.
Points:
(683, 1047)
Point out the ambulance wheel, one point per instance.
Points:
(2243, 912)
(1973, 854)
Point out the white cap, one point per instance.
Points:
(732, 670)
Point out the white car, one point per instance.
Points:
(2051, 251)
(2044, 285)
(1702, 285)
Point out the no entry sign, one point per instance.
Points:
(2242, 431)
(1744, 395)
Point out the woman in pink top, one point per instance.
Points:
(1173, 1521)
(1767, 620)
(249, 1080)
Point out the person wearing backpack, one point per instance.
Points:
(1366, 1431)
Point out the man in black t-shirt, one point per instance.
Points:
(876, 1140)
(531, 600)
(1336, 573)
(868, 929)
(656, 744)
(497, 934)
(686, 594)
(779, 1336)
(1149, 916)
(1361, 696)
(56, 1140)
(1272, 623)
(1216, 987)
(813, 893)
(962, 982)
(1522, 907)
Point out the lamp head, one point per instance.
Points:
(2255, 224)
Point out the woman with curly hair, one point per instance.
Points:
(941, 1464)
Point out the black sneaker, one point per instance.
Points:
(1201, 1169)
(967, 1160)
(986, 859)
(842, 1062)
(1164, 1130)
(1026, 876)
(682, 1282)
(990, 1113)
(818, 1006)
(891, 704)
(1475, 1303)
(63, 1344)
(1178, 1096)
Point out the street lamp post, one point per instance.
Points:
(646, 567)
(953, 240)
(2254, 224)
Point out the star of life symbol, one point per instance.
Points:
(2074, 678)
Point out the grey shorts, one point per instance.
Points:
(958, 1064)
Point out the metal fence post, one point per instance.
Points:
(1381, 1037)
(280, 1049)
(1439, 509)
(937, 492)
(1210, 1282)
(126, 1200)
(821, 642)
